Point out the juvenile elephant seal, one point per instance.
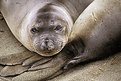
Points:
(46, 27)
(42, 26)
(99, 28)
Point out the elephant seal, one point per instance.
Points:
(98, 28)
(42, 26)
(47, 27)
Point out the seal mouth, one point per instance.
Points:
(48, 53)
(52, 52)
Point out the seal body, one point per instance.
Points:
(42, 26)
(47, 26)
(99, 29)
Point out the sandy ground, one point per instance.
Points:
(103, 70)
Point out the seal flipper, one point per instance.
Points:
(97, 48)
(78, 59)
(76, 49)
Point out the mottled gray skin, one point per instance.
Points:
(42, 26)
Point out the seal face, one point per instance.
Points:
(48, 31)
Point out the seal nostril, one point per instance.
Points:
(46, 41)
(51, 46)
(47, 45)
(43, 46)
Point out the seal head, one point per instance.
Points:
(49, 29)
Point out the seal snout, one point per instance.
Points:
(47, 45)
